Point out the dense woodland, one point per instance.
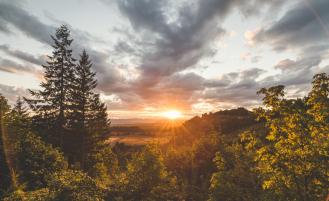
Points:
(52, 146)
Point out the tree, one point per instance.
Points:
(7, 173)
(102, 163)
(146, 178)
(52, 103)
(64, 185)
(19, 121)
(98, 123)
(294, 157)
(37, 161)
(236, 178)
(74, 185)
(84, 84)
(19, 109)
(89, 116)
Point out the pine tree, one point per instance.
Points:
(51, 104)
(19, 119)
(89, 116)
(19, 108)
(98, 122)
(84, 84)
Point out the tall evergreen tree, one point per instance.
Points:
(52, 103)
(89, 116)
(84, 84)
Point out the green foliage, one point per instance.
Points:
(102, 163)
(286, 158)
(236, 178)
(189, 155)
(37, 161)
(19, 121)
(37, 195)
(293, 159)
(73, 185)
(146, 178)
(65, 185)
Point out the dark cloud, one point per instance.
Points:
(299, 71)
(239, 89)
(166, 48)
(23, 55)
(305, 24)
(10, 66)
(176, 45)
(11, 13)
(4, 27)
(172, 46)
(181, 43)
(304, 29)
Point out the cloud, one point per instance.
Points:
(23, 55)
(301, 70)
(12, 93)
(168, 37)
(11, 13)
(175, 45)
(4, 27)
(303, 29)
(178, 41)
(305, 24)
(10, 66)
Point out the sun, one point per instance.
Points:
(172, 114)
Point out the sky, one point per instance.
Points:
(151, 56)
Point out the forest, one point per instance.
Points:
(53, 145)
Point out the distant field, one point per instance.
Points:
(138, 140)
(143, 133)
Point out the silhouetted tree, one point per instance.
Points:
(89, 116)
(52, 103)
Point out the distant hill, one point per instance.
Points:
(224, 121)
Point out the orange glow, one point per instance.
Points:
(172, 114)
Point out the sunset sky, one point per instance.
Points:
(153, 56)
